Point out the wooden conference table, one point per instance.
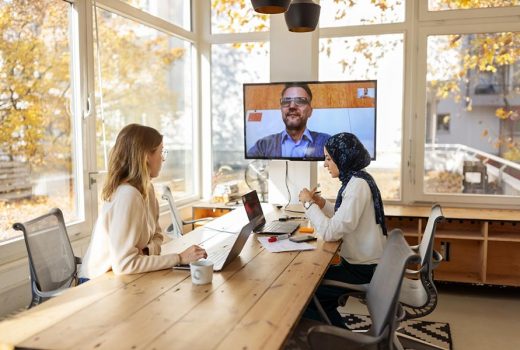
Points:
(255, 302)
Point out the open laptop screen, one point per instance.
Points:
(253, 207)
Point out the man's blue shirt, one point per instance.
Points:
(295, 149)
(271, 146)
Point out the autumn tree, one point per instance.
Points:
(35, 83)
(35, 88)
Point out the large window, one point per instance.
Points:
(175, 11)
(442, 5)
(475, 80)
(336, 13)
(145, 78)
(38, 160)
(236, 16)
(235, 60)
(371, 57)
(233, 65)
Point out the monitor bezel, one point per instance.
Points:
(245, 85)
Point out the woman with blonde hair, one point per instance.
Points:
(127, 237)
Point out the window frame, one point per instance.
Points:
(462, 14)
(484, 21)
(82, 79)
(406, 29)
(168, 28)
(15, 249)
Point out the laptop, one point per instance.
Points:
(224, 247)
(255, 214)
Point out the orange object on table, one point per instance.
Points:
(306, 229)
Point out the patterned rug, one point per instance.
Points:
(437, 333)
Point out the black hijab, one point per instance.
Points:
(351, 157)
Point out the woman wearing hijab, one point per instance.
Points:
(357, 218)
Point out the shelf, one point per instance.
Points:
(412, 240)
(461, 229)
(504, 230)
(461, 258)
(200, 212)
(466, 277)
(503, 262)
(458, 235)
(504, 238)
(503, 280)
(409, 226)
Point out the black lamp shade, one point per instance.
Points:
(302, 16)
(270, 6)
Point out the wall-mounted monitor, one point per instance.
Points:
(293, 120)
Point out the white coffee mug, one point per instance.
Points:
(201, 271)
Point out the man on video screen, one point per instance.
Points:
(296, 141)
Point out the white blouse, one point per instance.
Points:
(354, 222)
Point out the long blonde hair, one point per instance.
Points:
(127, 161)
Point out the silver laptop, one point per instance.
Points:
(224, 247)
(256, 214)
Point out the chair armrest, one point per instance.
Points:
(48, 294)
(187, 222)
(412, 273)
(414, 248)
(436, 259)
(330, 337)
(343, 285)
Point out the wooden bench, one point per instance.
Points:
(15, 182)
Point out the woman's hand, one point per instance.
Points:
(314, 195)
(305, 195)
(191, 254)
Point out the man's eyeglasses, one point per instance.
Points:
(298, 101)
(164, 154)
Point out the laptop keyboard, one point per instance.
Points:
(278, 226)
(218, 253)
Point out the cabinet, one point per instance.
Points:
(478, 246)
(204, 210)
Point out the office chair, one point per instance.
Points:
(52, 264)
(382, 299)
(418, 293)
(175, 228)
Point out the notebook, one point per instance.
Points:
(224, 247)
(255, 214)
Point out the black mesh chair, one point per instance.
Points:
(175, 229)
(382, 299)
(52, 263)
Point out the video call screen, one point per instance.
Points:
(340, 106)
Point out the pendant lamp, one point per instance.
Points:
(270, 6)
(302, 16)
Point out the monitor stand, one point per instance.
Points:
(299, 175)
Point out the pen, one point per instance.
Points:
(278, 238)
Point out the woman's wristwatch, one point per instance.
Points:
(308, 204)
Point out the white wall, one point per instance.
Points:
(294, 57)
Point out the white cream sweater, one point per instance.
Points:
(354, 222)
(126, 225)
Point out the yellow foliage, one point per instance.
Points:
(512, 154)
(501, 113)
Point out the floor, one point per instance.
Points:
(480, 317)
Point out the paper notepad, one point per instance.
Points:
(284, 245)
